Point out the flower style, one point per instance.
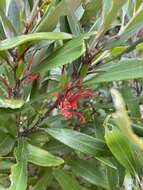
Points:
(67, 102)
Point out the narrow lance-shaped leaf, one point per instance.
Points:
(120, 147)
(51, 17)
(80, 141)
(122, 119)
(6, 143)
(112, 13)
(129, 29)
(132, 103)
(91, 9)
(124, 70)
(113, 178)
(89, 171)
(66, 181)
(8, 27)
(43, 180)
(41, 157)
(2, 33)
(133, 25)
(111, 9)
(14, 15)
(19, 40)
(66, 54)
(19, 170)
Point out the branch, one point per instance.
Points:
(32, 17)
(35, 128)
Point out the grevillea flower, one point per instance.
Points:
(31, 78)
(67, 101)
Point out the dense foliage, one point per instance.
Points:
(71, 94)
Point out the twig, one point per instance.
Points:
(16, 91)
(41, 119)
(35, 128)
(32, 17)
(34, 13)
(30, 62)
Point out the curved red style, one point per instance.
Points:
(67, 102)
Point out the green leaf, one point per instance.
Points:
(66, 181)
(126, 32)
(19, 170)
(112, 176)
(38, 137)
(72, 49)
(138, 3)
(20, 69)
(133, 25)
(132, 103)
(42, 181)
(4, 55)
(3, 4)
(137, 129)
(2, 33)
(6, 143)
(74, 24)
(123, 121)
(125, 70)
(6, 23)
(90, 172)
(107, 162)
(19, 40)
(79, 141)
(11, 103)
(139, 46)
(121, 148)
(2, 187)
(91, 10)
(41, 157)
(51, 17)
(5, 164)
(14, 15)
(112, 13)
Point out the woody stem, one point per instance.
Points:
(39, 121)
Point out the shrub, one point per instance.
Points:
(71, 94)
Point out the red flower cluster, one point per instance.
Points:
(67, 102)
(31, 78)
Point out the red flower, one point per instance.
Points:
(31, 78)
(67, 102)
